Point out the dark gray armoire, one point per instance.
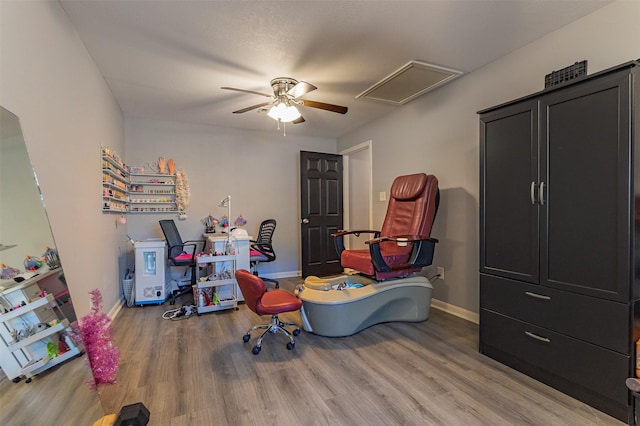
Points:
(559, 235)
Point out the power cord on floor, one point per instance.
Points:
(180, 313)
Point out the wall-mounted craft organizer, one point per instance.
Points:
(125, 192)
(115, 180)
(152, 193)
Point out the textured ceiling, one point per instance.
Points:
(168, 59)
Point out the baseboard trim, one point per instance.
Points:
(276, 275)
(113, 312)
(456, 311)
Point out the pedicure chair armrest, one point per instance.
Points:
(421, 253)
(339, 237)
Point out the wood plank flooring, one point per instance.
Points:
(198, 371)
(59, 396)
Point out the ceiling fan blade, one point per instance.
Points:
(300, 89)
(298, 120)
(329, 107)
(240, 111)
(247, 91)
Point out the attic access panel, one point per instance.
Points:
(412, 80)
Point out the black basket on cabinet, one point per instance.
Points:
(579, 69)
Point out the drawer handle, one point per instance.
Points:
(535, 336)
(537, 296)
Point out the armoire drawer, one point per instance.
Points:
(601, 322)
(597, 369)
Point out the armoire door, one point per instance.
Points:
(585, 161)
(509, 192)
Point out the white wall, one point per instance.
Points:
(438, 134)
(48, 79)
(260, 170)
(50, 82)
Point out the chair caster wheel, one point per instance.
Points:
(16, 380)
(296, 332)
(290, 346)
(28, 380)
(246, 338)
(256, 350)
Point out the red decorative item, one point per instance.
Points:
(62, 347)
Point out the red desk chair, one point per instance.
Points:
(403, 245)
(271, 303)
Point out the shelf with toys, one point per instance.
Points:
(30, 344)
(217, 290)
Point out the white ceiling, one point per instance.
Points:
(168, 59)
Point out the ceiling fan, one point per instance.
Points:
(284, 100)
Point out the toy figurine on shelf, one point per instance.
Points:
(240, 221)
(209, 223)
(224, 222)
(7, 272)
(52, 350)
(50, 256)
(32, 263)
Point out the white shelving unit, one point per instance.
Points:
(221, 279)
(26, 357)
(152, 193)
(125, 192)
(240, 246)
(115, 179)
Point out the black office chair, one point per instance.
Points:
(181, 253)
(262, 248)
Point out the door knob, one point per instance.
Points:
(305, 220)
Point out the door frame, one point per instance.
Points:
(349, 185)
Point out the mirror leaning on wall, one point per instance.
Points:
(41, 363)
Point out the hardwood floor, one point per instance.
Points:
(197, 371)
(57, 397)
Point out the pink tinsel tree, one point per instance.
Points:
(96, 332)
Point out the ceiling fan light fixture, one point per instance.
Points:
(283, 112)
